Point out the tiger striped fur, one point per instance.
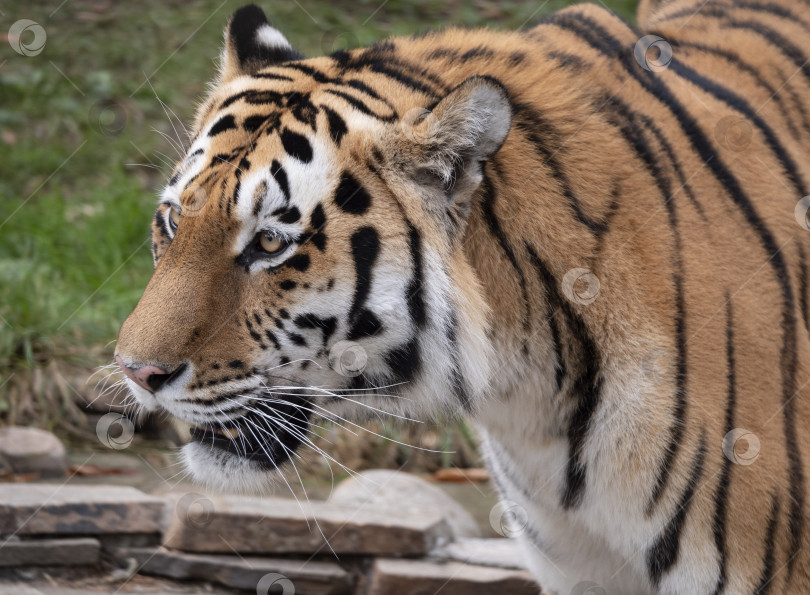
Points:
(436, 204)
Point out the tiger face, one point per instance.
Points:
(308, 257)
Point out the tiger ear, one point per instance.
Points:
(252, 44)
(450, 143)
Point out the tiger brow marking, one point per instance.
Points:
(603, 42)
(390, 70)
(358, 104)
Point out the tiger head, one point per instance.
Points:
(309, 254)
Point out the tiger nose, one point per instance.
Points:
(150, 378)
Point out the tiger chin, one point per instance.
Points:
(592, 250)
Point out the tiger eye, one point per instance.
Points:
(174, 214)
(271, 244)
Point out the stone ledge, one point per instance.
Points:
(45, 509)
(493, 551)
(423, 577)
(311, 578)
(50, 552)
(278, 526)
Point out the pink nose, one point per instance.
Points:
(150, 378)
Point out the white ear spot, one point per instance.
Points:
(271, 37)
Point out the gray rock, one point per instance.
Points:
(280, 526)
(31, 450)
(499, 552)
(423, 577)
(250, 573)
(44, 509)
(50, 552)
(404, 494)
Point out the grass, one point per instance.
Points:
(74, 210)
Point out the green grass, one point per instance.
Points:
(74, 211)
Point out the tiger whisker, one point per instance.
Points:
(163, 106)
(292, 462)
(179, 149)
(327, 393)
(295, 431)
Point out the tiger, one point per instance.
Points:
(587, 238)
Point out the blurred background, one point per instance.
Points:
(92, 97)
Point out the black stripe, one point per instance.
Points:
(586, 389)
(327, 325)
(288, 215)
(723, 485)
(365, 249)
(664, 552)
(221, 125)
(676, 165)
(560, 367)
(253, 123)
(772, 9)
(415, 291)
(736, 61)
(258, 195)
(271, 76)
(781, 43)
(636, 140)
(317, 75)
(698, 9)
(391, 67)
(280, 176)
(766, 575)
(599, 39)
(457, 384)
(404, 361)
(365, 324)
(488, 211)
(337, 126)
(741, 105)
(296, 145)
(803, 287)
(362, 107)
(546, 141)
(361, 86)
(350, 195)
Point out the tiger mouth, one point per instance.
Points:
(267, 435)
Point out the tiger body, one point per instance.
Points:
(608, 416)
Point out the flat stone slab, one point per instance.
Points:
(422, 577)
(50, 552)
(279, 526)
(32, 450)
(403, 493)
(255, 574)
(44, 509)
(497, 552)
